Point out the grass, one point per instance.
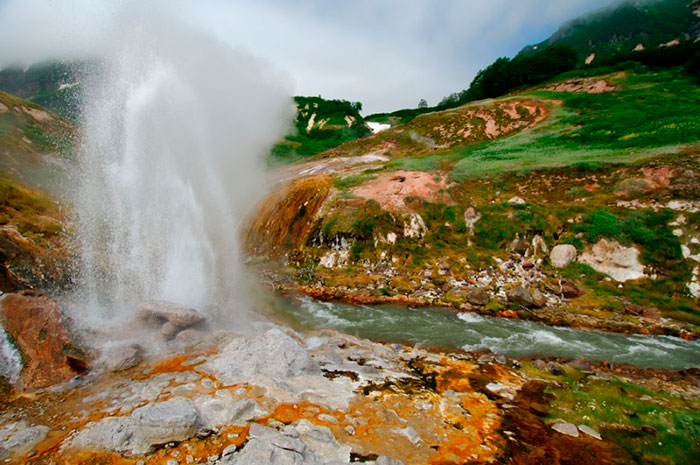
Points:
(653, 427)
(589, 131)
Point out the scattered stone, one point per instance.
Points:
(501, 389)
(562, 254)
(617, 261)
(521, 296)
(582, 364)
(516, 201)
(568, 290)
(122, 356)
(555, 368)
(566, 428)
(478, 296)
(589, 431)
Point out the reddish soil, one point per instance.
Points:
(390, 190)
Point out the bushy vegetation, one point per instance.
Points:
(305, 141)
(505, 74)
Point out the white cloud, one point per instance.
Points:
(387, 54)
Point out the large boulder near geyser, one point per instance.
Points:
(147, 427)
(49, 355)
(169, 318)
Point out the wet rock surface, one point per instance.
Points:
(324, 398)
(35, 324)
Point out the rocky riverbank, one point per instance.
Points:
(279, 396)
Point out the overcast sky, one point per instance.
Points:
(387, 54)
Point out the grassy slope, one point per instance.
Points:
(36, 156)
(36, 150)
(572, 169)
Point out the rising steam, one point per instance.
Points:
(175, 127)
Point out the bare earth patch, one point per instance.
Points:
(588, 85)
(390, 190)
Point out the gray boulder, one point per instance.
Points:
(273, 354)
(176, 419)
(561, 255)
(478, 296)
(19, 438)
(223, 409)
(274, 448)
(157, 313)
(521, 296)
(122, 356)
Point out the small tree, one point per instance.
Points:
(423, 103)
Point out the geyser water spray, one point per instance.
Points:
(175, 127)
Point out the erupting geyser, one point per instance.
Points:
(176, 125)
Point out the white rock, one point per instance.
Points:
(471, 217)
(562, 254)
(176, 419)
(273, 354)
(411, 434)
(517, 201)
(566, 428)
(694, 284)
(589, 431)
(617, 261)
(414, 226)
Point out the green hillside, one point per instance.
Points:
(53, 85)
(320, 125)
(585, 160)
(625, 26)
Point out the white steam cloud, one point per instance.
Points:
(175, 128)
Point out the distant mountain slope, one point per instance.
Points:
(35, 144)
(625, 25)
(53, 85)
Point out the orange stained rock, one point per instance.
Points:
(286, 217)
(172, 365)
(48, 353)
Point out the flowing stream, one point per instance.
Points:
(436, 326)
